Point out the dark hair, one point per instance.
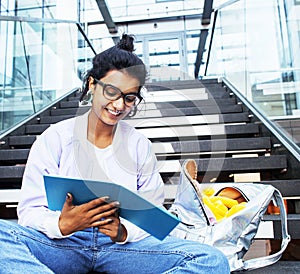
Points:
(118, 57)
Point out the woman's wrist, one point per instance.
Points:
(122, 234)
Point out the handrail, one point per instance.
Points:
(27, 67)
(86, 38)
(215, 11)
(34, 19)
(20, 88)
(211, 39)
(293, 148)
(45, 20)
(37, 113)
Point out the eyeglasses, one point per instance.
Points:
(112, 93)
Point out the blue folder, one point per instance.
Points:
(155, 220)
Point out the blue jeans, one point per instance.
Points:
(24, 250)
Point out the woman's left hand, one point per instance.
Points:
(114, 229)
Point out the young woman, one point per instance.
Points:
(99, 146)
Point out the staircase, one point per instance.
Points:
(202, 120)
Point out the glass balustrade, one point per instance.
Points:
(40, 62)
(256, 48)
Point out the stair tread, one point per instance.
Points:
(205, 165)
(22, 140)
(165, 109)
(11, 172)
(156, 118)
(69, 111)
(69, 104)
(212, 145)
(244, 164)
(198, 103)
(36, 128)
(194, 132)
(14, 155)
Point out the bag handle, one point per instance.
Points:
(270, 259)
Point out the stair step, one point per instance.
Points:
(201, 146)
(36, 128)
(69, 104)
(286, 187)
(207, 106)
(206, 119)
(207, 81)
(170, 120)
(10, 195)
(180, 112)
(200, 131)
(198, 103)
(167, 167)
(189, 97)
(234, 165)
(293, 228)
(69, 111)
(21, 141)
(9, 156)
(174, 85)
(162, 108)
(74, 98)
(221, 145)
(54, 119)
(208, 109)
(157, 118)
(11, 173)
(213, 91)
(182, 84)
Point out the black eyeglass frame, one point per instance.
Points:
(121, 94)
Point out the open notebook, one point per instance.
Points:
(155, 220)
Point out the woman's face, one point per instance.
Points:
(110, 112)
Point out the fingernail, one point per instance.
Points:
(116, 203)
(68, 196)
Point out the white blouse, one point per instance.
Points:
(63, 149)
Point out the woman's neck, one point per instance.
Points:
(98, 133)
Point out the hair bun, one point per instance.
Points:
(126, 43)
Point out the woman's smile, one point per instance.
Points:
(114, 112)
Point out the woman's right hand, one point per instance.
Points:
(92, 214)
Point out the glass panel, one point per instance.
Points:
(139, 50)
(192, 41)
(261, 56)
(7, 8)
(164, 53)
(15, 84)
(39, 63)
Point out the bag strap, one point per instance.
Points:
(270, 259)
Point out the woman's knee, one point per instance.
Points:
(205, 257)
(215, 260)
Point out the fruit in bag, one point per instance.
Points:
(235, 209)
(220, 206)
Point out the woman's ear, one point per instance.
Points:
(91, 83)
